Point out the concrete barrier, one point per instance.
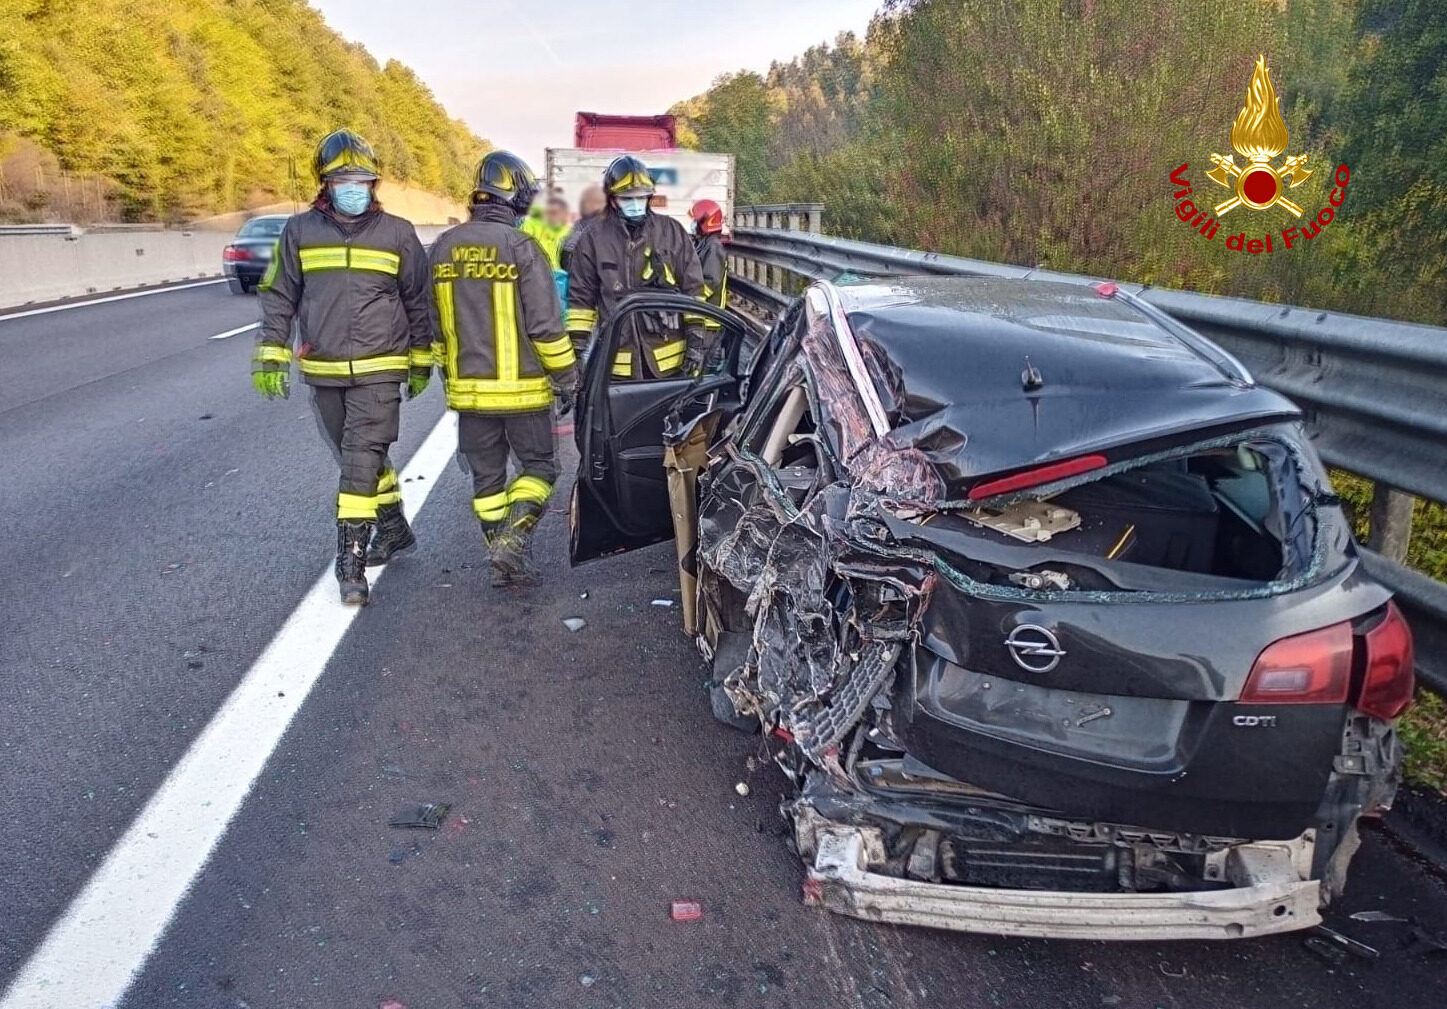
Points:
(35, 268)
(39, 268)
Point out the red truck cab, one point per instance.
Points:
(594, 131)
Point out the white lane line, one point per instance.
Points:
(101, 301)
(103, 939)
(235, 332)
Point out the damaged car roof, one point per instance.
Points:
(987, 375)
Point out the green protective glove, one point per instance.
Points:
(417, 379)
(271, 384)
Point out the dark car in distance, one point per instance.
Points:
(1045, 607)
(246, 258)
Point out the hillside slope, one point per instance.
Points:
(182, 108)
(1045, 132)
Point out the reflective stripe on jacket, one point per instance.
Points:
(357, 291)
(499, 315)
(714, 263)
(608, 264)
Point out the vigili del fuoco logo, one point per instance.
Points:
(1259, 136)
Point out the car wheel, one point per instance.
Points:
(236, 285)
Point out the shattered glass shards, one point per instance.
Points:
(426, 816)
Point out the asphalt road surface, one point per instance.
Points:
(160, 524)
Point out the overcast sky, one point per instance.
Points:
(517, 72)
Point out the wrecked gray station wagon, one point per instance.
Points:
(1046, 609)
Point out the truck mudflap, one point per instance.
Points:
(1271, 896)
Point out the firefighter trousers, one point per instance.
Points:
(360, 423)
(485, 441)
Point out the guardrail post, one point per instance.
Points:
(753, 264)
(1390, 528)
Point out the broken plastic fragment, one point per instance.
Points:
(663, 602)
(574, 623)
(428, 815)
(1346, 943)
(1426, 942)
(685, 910)
(1376, 916)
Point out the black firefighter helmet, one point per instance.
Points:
(507, 178)
(343, 151)
(627, 176)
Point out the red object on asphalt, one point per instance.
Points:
(685, 910)
(1107, 288)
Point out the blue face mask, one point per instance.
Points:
(633, 207)
(352, 198)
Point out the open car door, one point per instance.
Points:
(620, 499)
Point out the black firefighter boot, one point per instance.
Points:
(511, 557)
(352, 540)
(394, 535)
(498, 538)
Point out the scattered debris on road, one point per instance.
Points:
(685, 910)
(1424, 941)
(742, 788)
(665, 603)
(1344, 942)
(427, 815)
(574, 623)
(1376, 916)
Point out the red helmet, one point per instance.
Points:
(708, 216)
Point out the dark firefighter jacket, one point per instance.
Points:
(715, 270)
(581, 228)
(497, 308)
(608, 264)
(358, 291)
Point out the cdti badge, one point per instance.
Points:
(1258, 135)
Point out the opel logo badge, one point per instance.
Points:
(1034, 649)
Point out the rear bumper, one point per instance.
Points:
(1277, 900)
(244, 271)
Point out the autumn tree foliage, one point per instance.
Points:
(1045, 131)
(190, 107)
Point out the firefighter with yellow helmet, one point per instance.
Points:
(631, 249)
(352, 280)
(504, 357)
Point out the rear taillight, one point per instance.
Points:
(1037, 476)
(232, 254)
(1387, 688)
(1311, 668)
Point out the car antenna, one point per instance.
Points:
(1031, 378)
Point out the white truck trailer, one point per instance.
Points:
(682, 176)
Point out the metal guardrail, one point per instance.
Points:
(1374, 391)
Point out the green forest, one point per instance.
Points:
(1045, 131)
(137, 110)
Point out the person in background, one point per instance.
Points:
(549, 225)
(631, 248)
(591, 205)
(707, 219)
(354, 279)
(504, 359)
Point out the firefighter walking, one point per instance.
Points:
(354, 280)
(629, 249)
(504, 359)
